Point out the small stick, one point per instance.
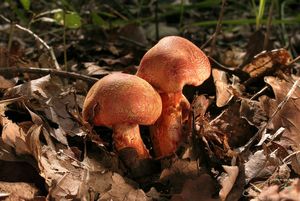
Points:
(50, 49)
(45, 71)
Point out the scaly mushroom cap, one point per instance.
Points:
(172, 63)
(121, 98)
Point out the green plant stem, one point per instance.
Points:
(11, 34)
(269, 23)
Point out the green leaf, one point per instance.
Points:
(98, 20)
(71, 19)
(25, 4)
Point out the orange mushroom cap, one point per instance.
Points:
(172, 63)
(121, 98)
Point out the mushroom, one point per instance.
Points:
(169, 65)
(123, 101)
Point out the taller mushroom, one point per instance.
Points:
(123, 101)
(169, 65)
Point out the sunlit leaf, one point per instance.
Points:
(25, 4)
(72, 19)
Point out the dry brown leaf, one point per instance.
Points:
(17, 191)
(267, 61)
(288, 116)
(124, 60)
(113, 186)
(290, 192)
(5, 83)
(232, 57)
(228, 181)
(260, 165)
(200, 188)
(226, 131)
(14, 136)
(253, 112)
(92, 69)
(269, 193)
(51, 98)
(223, 94)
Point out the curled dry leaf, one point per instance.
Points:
(17, 191)
(92, 69)
(228, 181)
(267, 61)
(5, 83)
(260, 165)
(14, 135)
(284, 111)
(253, 112)
(287, 116)
(48, 95)
(225, 132)
(113, 186)
(223, 94)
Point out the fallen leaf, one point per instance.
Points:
(286, 116)
(228, 181)
(267, 61)
(54, 100)
(5, 83)
(223, 95)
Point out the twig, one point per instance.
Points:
(259, 92)
(50, 49)
(294, 61)
(46, 71)
(289, 156)
(218, 28)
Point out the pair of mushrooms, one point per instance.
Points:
(151, 97)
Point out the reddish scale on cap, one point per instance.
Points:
(169, 65)
(123, 101)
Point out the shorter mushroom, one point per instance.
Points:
(169, 65)
(123, 101)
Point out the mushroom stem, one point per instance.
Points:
(166, 133)
(128, 135)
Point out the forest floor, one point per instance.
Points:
(242, 136)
